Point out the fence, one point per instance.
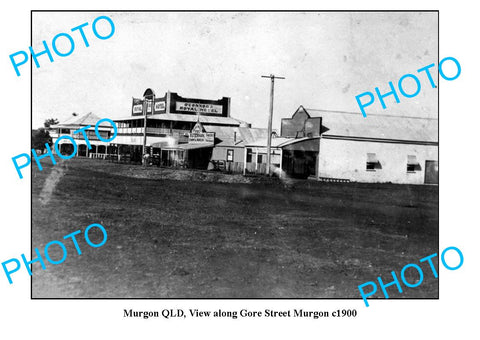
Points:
(98, 155)
(230, 167)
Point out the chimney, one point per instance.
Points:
(234, 137)
(167, 101)
(228, 106)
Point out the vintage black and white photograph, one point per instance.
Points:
(226, 155)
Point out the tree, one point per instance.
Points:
(50, 121)
(39, 138)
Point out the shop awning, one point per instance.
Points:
(412, 160)
(188, 146)
(372, 158)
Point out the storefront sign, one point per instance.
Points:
(198, 128)
(197, 107)
(137, 106)
(159, 106)
(201, 137)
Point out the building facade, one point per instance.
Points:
(343, 146)
(99, 149)
(183, 132)
(324, 145)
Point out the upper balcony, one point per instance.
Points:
(91, 135)
(152, 131)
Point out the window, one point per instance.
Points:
(372, 162)
(259, 158)
(249, 155)
(229, 155)
(412, 163)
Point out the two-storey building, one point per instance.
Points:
(99, 149)
(177, 131)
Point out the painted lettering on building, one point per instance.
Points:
(137, 106)
(159, 106)
(197, 107)
(201, 137)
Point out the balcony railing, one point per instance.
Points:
(90, 134)
(152, 130)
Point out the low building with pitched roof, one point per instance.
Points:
(345, 146)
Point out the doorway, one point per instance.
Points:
(431, 172)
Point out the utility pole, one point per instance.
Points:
(146, 100)
(269, 138)
(144, 145)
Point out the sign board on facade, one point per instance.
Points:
(201, 137)
(198, 128)
(197, 107)
(159, 106)
(137, 106)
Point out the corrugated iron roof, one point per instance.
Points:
(350, 124)
(253, 134)
(278, 142)
(227, 137)
(188, 118)
(189, 146)
(84, 120)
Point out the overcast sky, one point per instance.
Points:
(327, 58)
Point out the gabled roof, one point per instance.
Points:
(83, 120)
(376, 126)
(300, 110)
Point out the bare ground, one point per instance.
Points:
(200, 238)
